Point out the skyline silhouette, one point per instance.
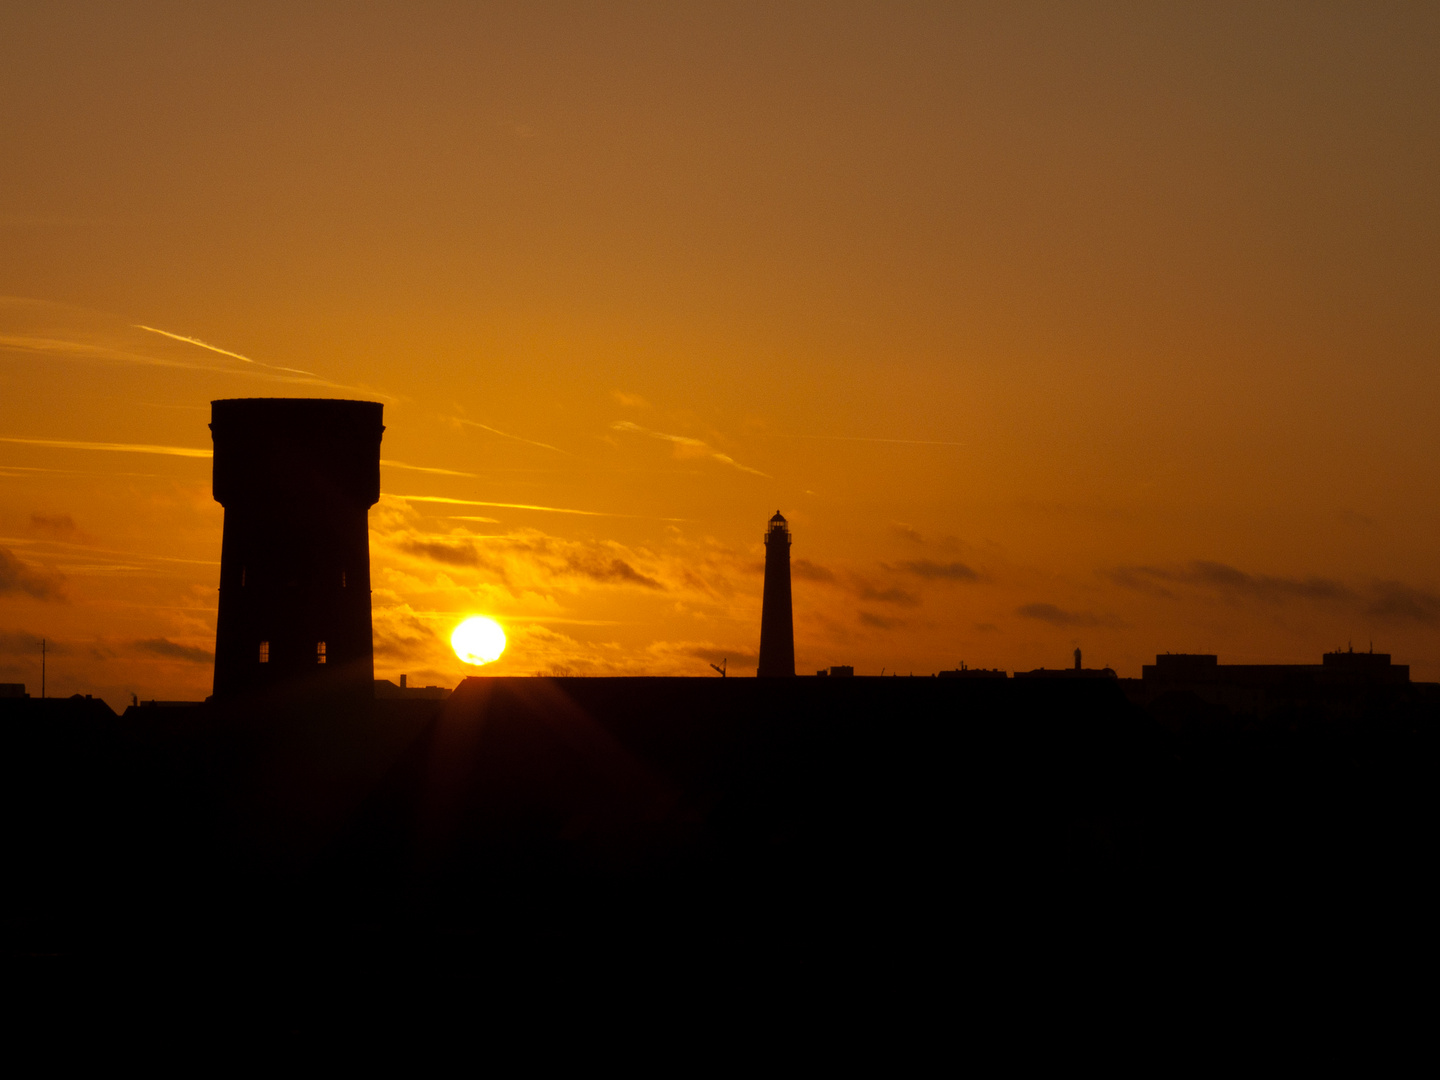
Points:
(1046, 328)
(297, 477)
(787, 497)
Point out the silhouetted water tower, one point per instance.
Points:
(297, 477)
(777, 622)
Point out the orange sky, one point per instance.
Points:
(1044, 325)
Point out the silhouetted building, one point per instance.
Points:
(1257, 688)
(296, 477)
(1076, 672)
(839, 671)
(1335, 669)
(385, 690)
(777, 623)
(13, 690)
(963, 672)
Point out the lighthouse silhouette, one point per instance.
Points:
(777, 623)
(297, 477)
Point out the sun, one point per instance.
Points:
(478, 640)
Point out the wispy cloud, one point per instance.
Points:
(1397, 602)
(617, 571)
(18, 577)
(506, 434)
(706, 651)
(806, 570)
(879, 622)
(516, 558)
(934, 571)
(1049, 613)
(896, 596)
(20, 643)
(685, 446)
(174, 651)
(55, 526)
(1229, 581)
(448, 552)
(1384, 600)
(121, 448)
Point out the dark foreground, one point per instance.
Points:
(829, 825)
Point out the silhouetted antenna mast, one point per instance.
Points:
(42, 669)
(720, 667)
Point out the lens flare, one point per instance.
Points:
(478, 640)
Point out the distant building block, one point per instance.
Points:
(1262, 688)
(385, 690)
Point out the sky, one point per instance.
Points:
(1045, 326)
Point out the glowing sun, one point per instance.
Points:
(478, 640)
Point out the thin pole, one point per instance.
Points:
(42, 669)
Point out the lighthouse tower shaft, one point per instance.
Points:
(296, 477)
(777, 623)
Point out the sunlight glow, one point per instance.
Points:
(478, 640)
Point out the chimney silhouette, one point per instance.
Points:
(296, 477)
(777, 624)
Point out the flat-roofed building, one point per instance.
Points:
(1260, 688)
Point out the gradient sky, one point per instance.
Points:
(1045, 325)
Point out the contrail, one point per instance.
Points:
(18, 541)
(507, 506)
(695, 446)
(682, 440)
(524, 506)
(425, 468)
(196, 341)
(84, 350)
(507, 435)
(185, 451)
(222, 352)
(6, 470)
(124, 448)
(865, 438)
